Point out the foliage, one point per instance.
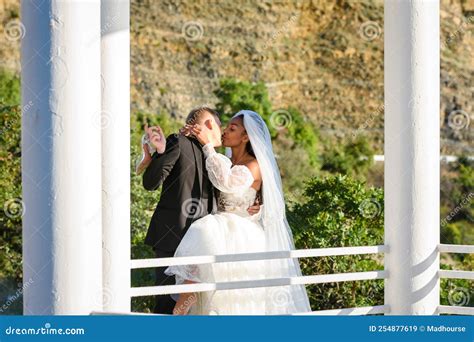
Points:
(235, 95)
(458, 292)
(9, 88)
(339, 212)
(457, 209)
(10, 197)
(294, 165)
(463, 193)
(303, 134)
(10, 169)
(451, 234)
(354, 158)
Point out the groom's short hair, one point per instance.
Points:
(196, 113)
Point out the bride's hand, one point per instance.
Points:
(201, 134)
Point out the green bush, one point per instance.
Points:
(10, 196)
(9, 88)
(10, 182)
(451, 234)
(463, 193)
(338, 211)
(458, 292)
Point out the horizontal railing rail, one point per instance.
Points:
(302, 253)
(453, 274)
(298, 253)
(306, 280)
(462, 249)
(455, 310)
(244, 284)
(363, 310)
(456, 274)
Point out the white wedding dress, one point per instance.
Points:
(231, 230)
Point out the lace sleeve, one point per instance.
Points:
(222, 175)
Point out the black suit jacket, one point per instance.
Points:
(186, 195)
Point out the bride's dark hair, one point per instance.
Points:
(248, 147)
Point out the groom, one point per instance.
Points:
(187, 193)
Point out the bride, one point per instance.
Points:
(251, 169)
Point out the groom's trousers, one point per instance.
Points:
(164, 304)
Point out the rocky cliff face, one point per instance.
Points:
(323, 57)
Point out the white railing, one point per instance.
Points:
(442, 158)
(466, 249)
(304, 253)
(455, 274)
(364, 310)
(311, 279)
(298, 253)
(244, 284)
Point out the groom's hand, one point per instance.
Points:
(157, 138)
(255, 208)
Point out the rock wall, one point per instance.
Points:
(323, 57)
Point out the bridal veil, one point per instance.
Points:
(288, 298)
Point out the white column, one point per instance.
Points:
(412, 156)
(61, 157)
(115, 17)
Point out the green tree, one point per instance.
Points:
(235, 95)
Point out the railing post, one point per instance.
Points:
(61, 157)
(115, 38)
(412, 156)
